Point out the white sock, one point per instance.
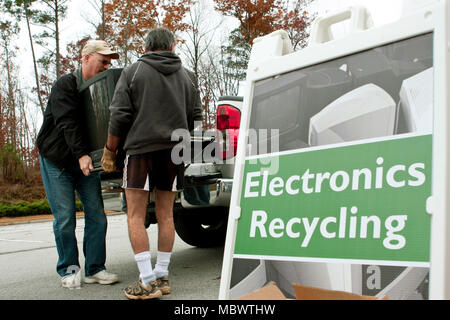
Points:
(144, 263)
(162, 264)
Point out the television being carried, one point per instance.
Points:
(97, 94)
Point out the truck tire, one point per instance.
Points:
(200, 227)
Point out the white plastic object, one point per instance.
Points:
(274, 44)
(429, 205)
(364, 113)
(333, 276)
(255, 280)
(360, 20)
(403, 287)
(410, 6)
(416, 102)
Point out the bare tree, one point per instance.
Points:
(15, 136)
(200, 34)
(7, 29)
(28, 13)
(21, 9)
(49, 19)
(99, 10)
(199, 40)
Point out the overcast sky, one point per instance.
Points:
(75, 26)
(382, 11)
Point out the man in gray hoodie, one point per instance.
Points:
(153, 97)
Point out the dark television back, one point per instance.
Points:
(97, 94)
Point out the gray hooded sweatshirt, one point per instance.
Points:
(153, 97)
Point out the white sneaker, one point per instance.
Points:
(72, 281)
(102, 277)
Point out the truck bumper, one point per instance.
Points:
(216, 194)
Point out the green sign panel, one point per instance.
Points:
(358, 202)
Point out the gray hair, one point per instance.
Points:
(159, 39)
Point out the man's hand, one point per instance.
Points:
(86, 164)
(109, 160)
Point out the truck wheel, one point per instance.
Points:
(201, 227)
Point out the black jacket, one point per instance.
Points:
(61, 139)
(154, 97)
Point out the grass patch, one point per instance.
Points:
(23, 208)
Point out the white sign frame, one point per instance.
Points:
(434, 18)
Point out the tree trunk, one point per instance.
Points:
(36, 74)
(2, 123)
(58, 66)
(127, 36)
(103, 19)
(11, 100)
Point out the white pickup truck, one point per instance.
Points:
(201, 212)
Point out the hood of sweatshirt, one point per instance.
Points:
(165, 62)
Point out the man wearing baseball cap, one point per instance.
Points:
(66, 169)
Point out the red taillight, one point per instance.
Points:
(228, 117)
(228, 122)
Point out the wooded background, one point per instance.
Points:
(219, 60)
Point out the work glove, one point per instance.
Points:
(109, 160)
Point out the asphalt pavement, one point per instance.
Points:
(28, 264)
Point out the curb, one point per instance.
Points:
(49, 220)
